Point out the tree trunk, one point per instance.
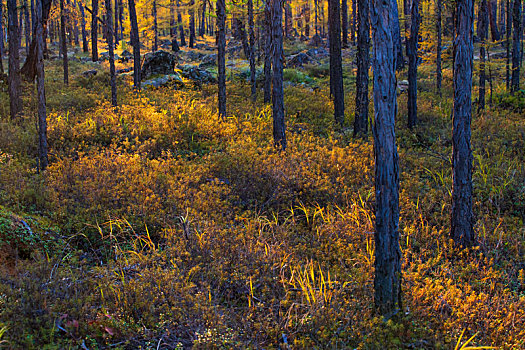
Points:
(483, 17)
(412, 63)
(336, 66)
(279, 136)
(492, 15)
(14, 61)
(502, 23)
(396, 34)
(363, 64)
(221, 56)
(94, 28)
(439, 76)
(155, 27)
(116, 26)
(85, 47)
(355, 17)
(181, 28)
(516, 38)
(507, 45)
(307, 20)
(38, 38)
(29, 68)
(202, 27)
(387, 282)
(344, 22)
(63, 42)
(2, 48)
(135, 42)
(251, 33)
(462, 218)
(27, 27)
(110, 36)
(267, 52)
(192, 24)
(173, 29)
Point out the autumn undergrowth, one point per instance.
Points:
(159, 225)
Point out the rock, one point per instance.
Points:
(204, 47)
(316, 41)
(90, 73)
(402, 86)
(318, 52)
(298, 60)
(158, 62)
(172, 79)
(193, 55)
(208, 61)
(105, 56)
(197, 74)
(124, 70)
(126, 54)
(498, 55)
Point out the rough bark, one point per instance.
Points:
(412, 45)
(155, 27)
(396, 35)
(482, 35)
(336, 65)
(181, 28)
(135, 42)
(221, 56)
(63, 42)
(516, 47)
(279, 136)
(40, 78)
(109, 37)
(439, 76)
(14, 61)
(192, 24)
(94, 31)
(344, 22)
(251, 33)
(492, 15)
(462, 218)
(267, 53)
(363, 64)
(387, 282)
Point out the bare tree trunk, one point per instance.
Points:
(85, 47)
(2, 48)
(387, 282)
(155, 27)
(63, 42)
(116, 26)
(181, 28)
(14, 61)
(492, 15)
(502, 23)
(29, 68)
(279, 135)
(316, 16)
(439, 76)
(363, 64)
(27, 27)
(94, 33)
(40, 78)
(482, 35)
(135, 42)
(412, 63)
(221, 56)
(396, 34)
(192, 23)
(202, 27)
(307, 20)
(462, 231)
(507, 45)
(251, 33)
(267, 52)
(355, 15)
(516, 38)
(344, 22)
(110, 36)
(336, 65)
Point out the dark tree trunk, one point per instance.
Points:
(316, 16)
(27, 27)
(396, 36)
(336, 65)
(29, 68)
(251, 33)
(462, 218)
(181, 28)
(94, 31)
(507, 44)
(116, 25)
(2, 48)
(412, 63)
(344, 22)
(135, 42)
(307, 20)
(355, 15)
(439, 76)
(279, 135)
(221, 56)
(267, 52)
(387, 282)
(363, 64)
(173, 29)
(516, 38)
(155, 27)
(492, 15)
(14, 61)
(85, 47)
(63, 42)
(38, 38)
(502, 23)
(110, 36)
(287, 18)
(192, 24)
(202, 27)
(482, 35)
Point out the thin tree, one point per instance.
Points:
(516, 39)
(135, 42)
(462, 231)
(40, 86)
(14, 60)
(268, 52)
(202, 26)
(344, 22)
(221, 53)
(439, 76)
(181, 28)
(192, 23)
(491, 11)
(63, 42)
(94, 31)
(387, 282)
(2, 49)
(396, 33)
(27, 27)
(507, 45)
(251, 33)
(116, 26)
(412, 63)
(354, 21)
(336, 65)
(155, 27)
(85, 47)
(482, 35)
(279, 135)
(109, 38)
(363, 64)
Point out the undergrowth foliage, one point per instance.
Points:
(179, 228)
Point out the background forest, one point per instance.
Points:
(288, 174)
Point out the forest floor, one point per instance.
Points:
(159, 226)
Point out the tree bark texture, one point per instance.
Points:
(221, 56)
(482, 35)
(40, 78)
(14, 60)
(267, 52)
(344, 22)
(363, 64)
(336, 65)
(279, 136)
(412, 46)
(135, 42)
(109, 37)
(251, 33)
(516, 47)
(94, 31)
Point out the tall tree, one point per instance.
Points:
(14, 60)
(85, 47)
(507, 44)
(63, 42)
(135, 42)
(40, 77)
(516, 40)
(344, 22)
(363, 64)
(27, 27)
(181, 28)
(387, 282)
(279, 135)
(354, 21)
(94, 31)
(221, 54)
(155, 27)
(2, 49)
(396, 33)
(111, 49)
(462, 231)
(202, 26)
(482, 35)
(439, 76)
(268, 52)
(251, 33)
(412, 63)
(491, 10)
(336, 65)
(192, 23)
